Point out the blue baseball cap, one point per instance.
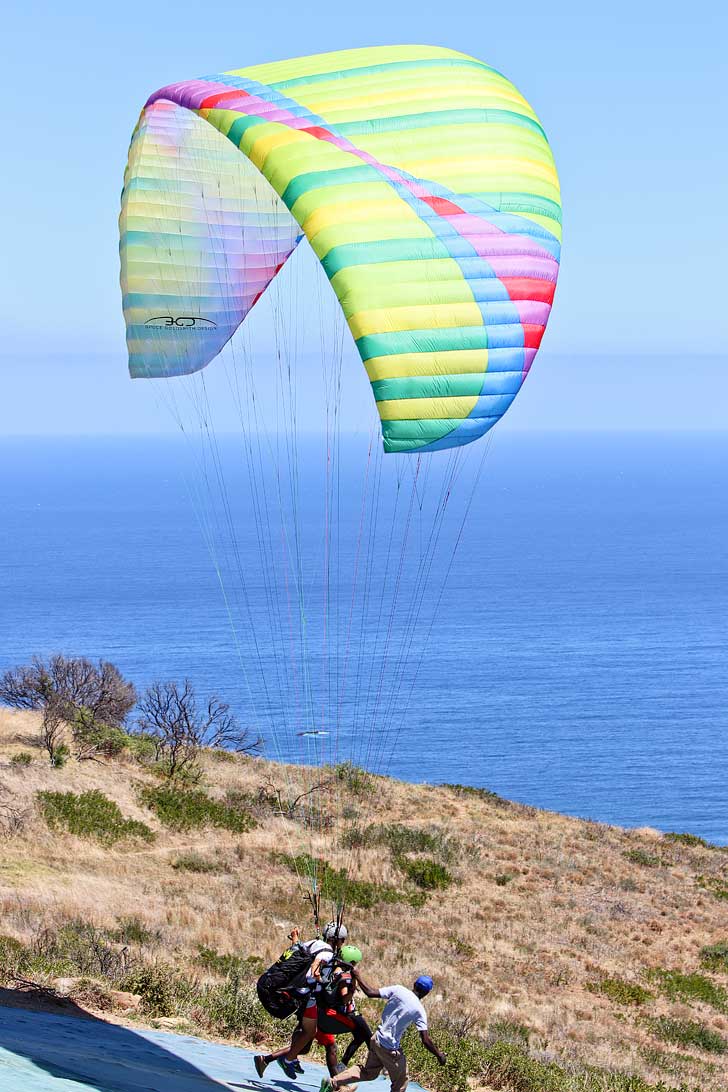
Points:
(424, 982)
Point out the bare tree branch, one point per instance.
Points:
(169, 714)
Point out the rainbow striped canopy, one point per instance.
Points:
(422, 180)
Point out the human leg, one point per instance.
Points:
(395, 1064)
(368, 1072)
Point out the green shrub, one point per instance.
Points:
(195, 862)
(163, 991)
(232, 1009)
(689, 987)
(714, 957)
(643, 858)
(75, 948)
(219, 754)
(60, 756)
(21, 760)
(507, 1064)
(189, 809)
(14, 958)
(336, 886)
(503, 878)
(685, 839)
(480, 794)
(93, 737)
(132, 930)
(716, 885)
(90, 815)
(400, 839)
(510, 1031)
(623, 993)
(425, 873)
(224, 964)
(688, 1033)
(353, 778)
(461, 947)
(142, 748)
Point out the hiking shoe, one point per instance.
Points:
(289, 1068)
(326, 1085)
(299, 1067)
(260, 1064)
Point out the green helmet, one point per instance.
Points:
(350, 954)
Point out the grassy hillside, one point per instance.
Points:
(567, 954)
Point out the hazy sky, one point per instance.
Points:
(632, 96)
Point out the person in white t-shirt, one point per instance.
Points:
(403, 1007)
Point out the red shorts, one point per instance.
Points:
(336, 1023)
(311, 1010)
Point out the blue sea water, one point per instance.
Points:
(578, 658)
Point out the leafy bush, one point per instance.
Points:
(714, 957)
(685, 839)
(132, 930)
(60, 755)
(233, 1009)
(716, 885)
(354, 779)
(510, 1031)
(481, 794)
(401, 839)
(643, 858)
(689, 987)
(507, 1064)
(94, 737)
(224, 964)
(688, 1033)
(75, 948)
(90, 815)
(162, 990)
(195, 862)
(623, 993)
(21, 760)
(461, 947)
(219, 754)
(141, 747)
(188, 809)
(336, 886)
(425, 873)
(503, 878)
(14, 958)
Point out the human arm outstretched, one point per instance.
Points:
(370, 991)
(429, 1045)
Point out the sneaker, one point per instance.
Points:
(289, 1068)
(260, 1064)
(326, 1085)
(299, 1067)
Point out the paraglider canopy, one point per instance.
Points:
(422, 180)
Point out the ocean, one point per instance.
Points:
(572, 654)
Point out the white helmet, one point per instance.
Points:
(335, 932)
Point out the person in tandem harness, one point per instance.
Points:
(290, 985)
(337, 1013)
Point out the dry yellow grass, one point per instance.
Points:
(575, 911)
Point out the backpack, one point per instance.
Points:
(288, 973)
(331, 983)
